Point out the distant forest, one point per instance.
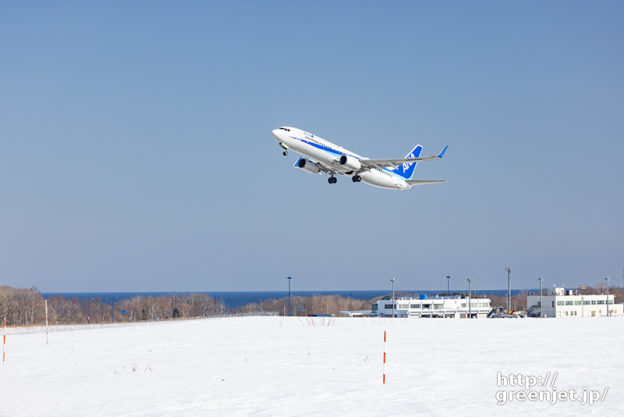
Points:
(24, 307)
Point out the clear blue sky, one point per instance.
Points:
(136, 149)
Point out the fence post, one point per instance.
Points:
(4, 342)
(384, 360)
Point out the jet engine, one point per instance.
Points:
(307, 165)
(349, 163)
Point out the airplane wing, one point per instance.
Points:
(324, 168)
(393, 163)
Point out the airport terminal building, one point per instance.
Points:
(559, 302)
(438, 307)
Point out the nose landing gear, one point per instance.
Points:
(285, 153)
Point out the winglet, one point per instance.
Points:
(443, 152)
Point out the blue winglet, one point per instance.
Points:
(443, 152)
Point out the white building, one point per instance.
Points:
(438, 307)
(559, 302)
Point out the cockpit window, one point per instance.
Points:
(285, 128)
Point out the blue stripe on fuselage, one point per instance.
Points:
(321, 147)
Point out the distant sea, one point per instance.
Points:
(235, 299)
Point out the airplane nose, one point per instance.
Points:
(276, 133)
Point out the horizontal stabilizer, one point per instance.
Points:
(413, 183)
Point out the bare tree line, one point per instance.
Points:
(21, 306)
(25, 306)
(307, 305)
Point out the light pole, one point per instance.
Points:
(541, 280)
(469, 310)
(393, 280)
(448, 285)
(607, 279)
(289, 278)
(508, 269)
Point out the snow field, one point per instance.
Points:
(298, 366)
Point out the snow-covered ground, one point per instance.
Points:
(276, 366)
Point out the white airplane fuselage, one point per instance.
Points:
(317, 149)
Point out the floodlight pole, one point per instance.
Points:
(508, 289)
(448, 285)
(541, 280)
(289, 278)
(393, 280)
(469, 309)
(607, 280)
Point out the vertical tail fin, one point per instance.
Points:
(407, 170)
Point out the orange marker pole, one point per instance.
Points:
(46, 309)
(384, 360)
(4, 343)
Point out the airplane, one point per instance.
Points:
(321, 156)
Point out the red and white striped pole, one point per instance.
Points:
(46, 308)
(4, 342)
(384, 359)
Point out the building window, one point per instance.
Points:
(553, 304)
(569, 302)
(577, 303)
(389, 306)
(559, 303)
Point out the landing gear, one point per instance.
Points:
(285, 153)
(332, 180)
(356, 178)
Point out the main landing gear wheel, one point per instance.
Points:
(356, 178)
(332, 180)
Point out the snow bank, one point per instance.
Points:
(296, 366)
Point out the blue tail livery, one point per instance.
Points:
(406, 170)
